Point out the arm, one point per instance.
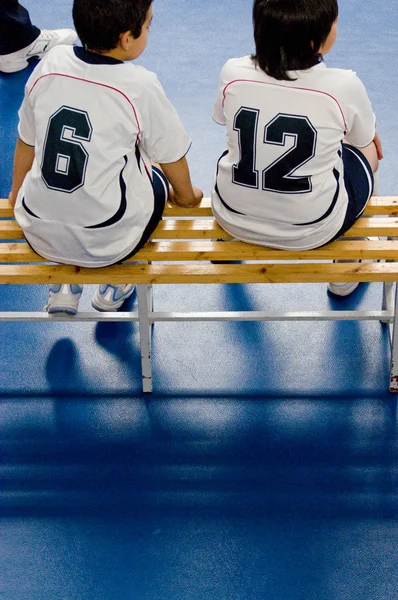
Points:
(378, 145)
(360, 120)
(23, 160)
(182, 193)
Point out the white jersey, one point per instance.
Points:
(280, 182)
(96, 123)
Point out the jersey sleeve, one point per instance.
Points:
(26, 125)
(218, 110)
(163, 137)
(360, 119)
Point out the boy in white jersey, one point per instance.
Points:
(84, 188)
(287, 180)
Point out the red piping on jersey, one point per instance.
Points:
(94, 83)
(288, 88)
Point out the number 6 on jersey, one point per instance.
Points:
(64, 157)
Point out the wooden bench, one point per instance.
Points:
(181, 251)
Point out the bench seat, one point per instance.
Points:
(184, 248)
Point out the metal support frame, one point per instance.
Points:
(146, 317)
(388, 294)
(394, 347)
(144, 309)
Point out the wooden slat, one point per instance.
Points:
(209, 250)
(10, 230)
(5, 209)
(201, 273)
(18, 252)
(368, 226)
(189, 229)
(203, 210)
(377, 205)
(382, 205)
(210, 229)
(167, 229)
(231, 250)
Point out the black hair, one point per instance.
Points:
(289, 33)
(99, 23)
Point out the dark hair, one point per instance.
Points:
(289, 33)
(99, 23)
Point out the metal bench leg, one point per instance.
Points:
(388, 295)
(144, 307)
(394, 348)
(150, 297)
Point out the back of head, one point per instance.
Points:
(99, 23)
(289, 33)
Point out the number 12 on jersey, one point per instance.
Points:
(279, 175)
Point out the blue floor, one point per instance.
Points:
(264, 465)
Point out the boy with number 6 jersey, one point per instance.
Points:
(287, 180)
(90, 127)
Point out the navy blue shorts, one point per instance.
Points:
(161, 193)
(358, 181)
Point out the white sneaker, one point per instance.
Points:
(63, 298)
(343, 289)
(48, 38)
(346, 288)
(109, 298)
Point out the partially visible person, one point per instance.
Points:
(84, 187)
(302, 147)
(21, 40)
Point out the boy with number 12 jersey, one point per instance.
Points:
(286, 179)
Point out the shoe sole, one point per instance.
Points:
(14, 68)
(61, 309)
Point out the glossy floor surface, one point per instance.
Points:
(263, 467)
